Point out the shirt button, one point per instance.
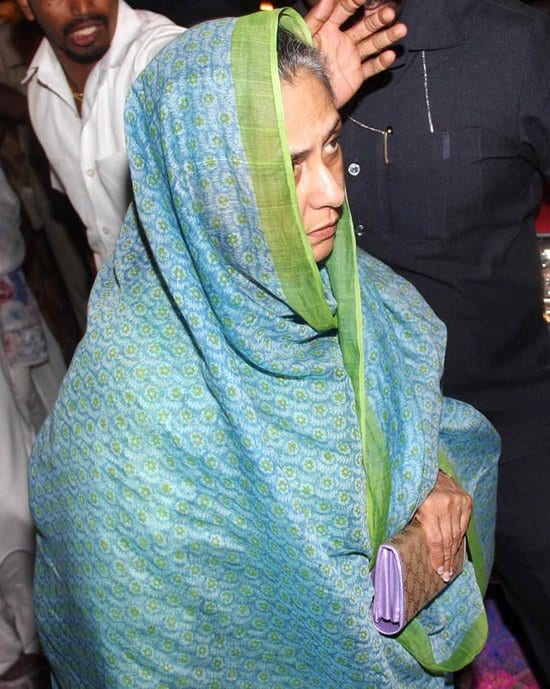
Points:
(90, 172)
(105, 230)
(354, 169)
(359, 230)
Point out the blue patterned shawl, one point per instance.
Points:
(238, 430)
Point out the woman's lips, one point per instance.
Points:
(323, 233)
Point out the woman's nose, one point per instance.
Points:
(329, 186)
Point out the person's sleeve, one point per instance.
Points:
(534, 99)
(156, 35)
(12, 246)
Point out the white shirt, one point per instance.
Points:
(87, 154)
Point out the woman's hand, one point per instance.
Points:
(360, 51)
(444, 516)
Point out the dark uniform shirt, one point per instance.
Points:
(449, 197)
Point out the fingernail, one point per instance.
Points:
(440, 571)
(446, 577)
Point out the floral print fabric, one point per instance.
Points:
(200, 489)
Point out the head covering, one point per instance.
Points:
(226, 456)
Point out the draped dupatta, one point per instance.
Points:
(240, 429)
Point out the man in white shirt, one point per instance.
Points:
(77, 85)
(92, 52)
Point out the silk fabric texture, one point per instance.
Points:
(240, 430)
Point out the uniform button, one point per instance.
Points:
(105, 230)
(359, 230)
(354, 169)
(90, 172)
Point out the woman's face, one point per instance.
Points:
(313, 127)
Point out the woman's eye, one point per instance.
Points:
(333, 144)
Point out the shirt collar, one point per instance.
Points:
(432, 25)
(44, 64)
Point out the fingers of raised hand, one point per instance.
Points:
(376, 42)
(377, 28)
(335, 11)
(373, 48)
(374, 65)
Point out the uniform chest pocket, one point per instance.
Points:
(432, 187)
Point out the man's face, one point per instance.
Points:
(79, 31)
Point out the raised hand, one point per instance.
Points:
(360, 51)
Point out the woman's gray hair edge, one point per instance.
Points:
(293, 56)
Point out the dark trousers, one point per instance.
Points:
(522, 557)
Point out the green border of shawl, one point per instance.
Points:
(260, 111)
(474, 543)
(344, 278)
(261, 121)
(415, 638)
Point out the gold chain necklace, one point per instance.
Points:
(77, 95)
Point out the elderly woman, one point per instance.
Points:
(252, 411)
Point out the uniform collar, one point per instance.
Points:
(432, 25)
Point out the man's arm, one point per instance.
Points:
(358, 52)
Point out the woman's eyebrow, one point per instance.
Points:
(299, 154)
(335, 129)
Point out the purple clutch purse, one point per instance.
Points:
(404, 581)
